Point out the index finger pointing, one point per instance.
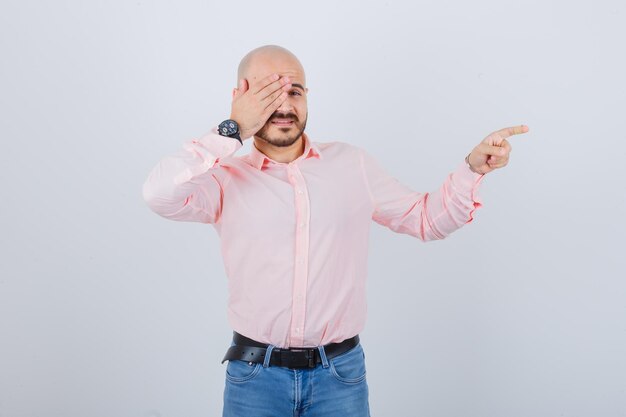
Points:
(510, 131)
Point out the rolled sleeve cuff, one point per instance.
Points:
(206, 151)
(467, 183)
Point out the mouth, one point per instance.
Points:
(282, 122)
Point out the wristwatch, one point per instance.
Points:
(230, 128)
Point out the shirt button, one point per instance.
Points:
(302, 224)
(297, 330)
(300, 191)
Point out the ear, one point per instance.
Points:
(306, 90)
(234, 92)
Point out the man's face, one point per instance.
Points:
(286, 124)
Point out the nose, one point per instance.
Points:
(286, 106)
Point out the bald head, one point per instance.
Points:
(267, 56)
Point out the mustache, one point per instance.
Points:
(289, 116)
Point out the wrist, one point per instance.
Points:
(244, 133)
(230, 128)
(470, 165)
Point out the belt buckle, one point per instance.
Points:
(298, 361)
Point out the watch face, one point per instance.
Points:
(228, 128)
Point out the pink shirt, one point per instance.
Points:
(294, 236)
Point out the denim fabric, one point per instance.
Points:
(336, 387)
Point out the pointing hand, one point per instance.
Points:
(493, 152)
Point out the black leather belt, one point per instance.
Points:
(252, 351)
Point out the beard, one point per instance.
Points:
(282, 136)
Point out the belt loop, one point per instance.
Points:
(268, 356)
(323, 356)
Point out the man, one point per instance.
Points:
(294, 217)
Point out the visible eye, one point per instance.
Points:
(295, 93)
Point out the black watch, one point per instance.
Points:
(230, 128)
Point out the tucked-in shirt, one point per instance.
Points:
(294, 236)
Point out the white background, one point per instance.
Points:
(107, 309)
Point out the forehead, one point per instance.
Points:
(263, 65)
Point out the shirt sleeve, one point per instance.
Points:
(428, 215)
(188, 185)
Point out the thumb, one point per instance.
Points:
(491, 150)
(243, 85)
(238, 92)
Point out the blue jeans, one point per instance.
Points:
(336, 387)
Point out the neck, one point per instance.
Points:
(284, 154)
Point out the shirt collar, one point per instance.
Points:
(258, 158)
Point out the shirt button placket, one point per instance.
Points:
(302, 251)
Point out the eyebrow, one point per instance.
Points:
(298, 86)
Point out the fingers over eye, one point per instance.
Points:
(265, 82)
